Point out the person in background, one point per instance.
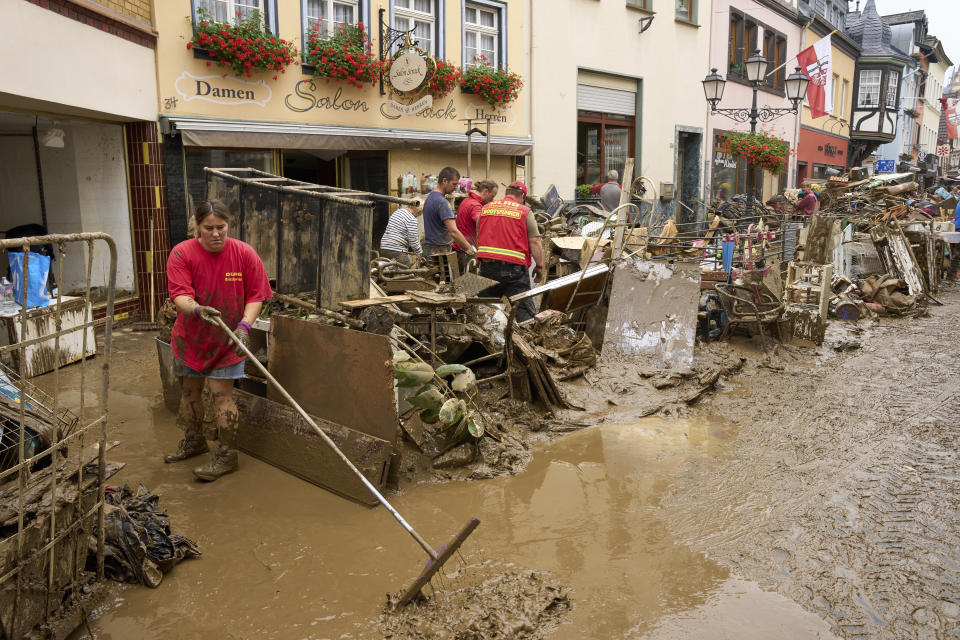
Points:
(955, 247)
(610, 192)
(807, 204)
(212, 277)
(468, 212)
(439, 223)
(507, 238)
(401, 239)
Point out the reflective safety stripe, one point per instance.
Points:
(503, 252)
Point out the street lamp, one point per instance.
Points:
(756, 66)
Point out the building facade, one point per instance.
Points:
(603, 91)
(328, 131)
(739, 28)
(823, 143)
(74, 150)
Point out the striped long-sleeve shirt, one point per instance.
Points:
(402, 233)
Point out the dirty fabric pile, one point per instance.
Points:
(139, 547)
(568, 353)
(513, 604)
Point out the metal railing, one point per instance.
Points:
(48, 482)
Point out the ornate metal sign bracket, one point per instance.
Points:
(388, 38)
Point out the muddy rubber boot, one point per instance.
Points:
(192, 445)
(224, 461)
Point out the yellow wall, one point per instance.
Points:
(322, 103)
(843, 68)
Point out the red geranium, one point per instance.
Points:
(245, 46)
(345, 55)
(496, 87)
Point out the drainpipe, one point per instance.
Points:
(530, 93)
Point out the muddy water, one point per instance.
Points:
(285, 559)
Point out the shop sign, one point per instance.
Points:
(943, 150)
(409, 109)
(505, 117)
(222, 90)
(885, 166)
(408, 72)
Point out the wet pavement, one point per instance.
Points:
(285, 559)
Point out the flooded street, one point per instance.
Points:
(757, 513)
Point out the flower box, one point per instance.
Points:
(344, 56)
(245, 46)
(497, 87)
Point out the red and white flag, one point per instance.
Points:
(815, 64)
(951, 109)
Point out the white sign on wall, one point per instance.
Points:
(222, 90)
(408, 71)
(501, 117)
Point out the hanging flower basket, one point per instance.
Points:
(343, 56)
(496, 87)
(246, 46)
(911, 113)
(759, 149)
(446, 76)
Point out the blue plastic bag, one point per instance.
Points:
(36, 288)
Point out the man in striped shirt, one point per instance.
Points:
(401, 239)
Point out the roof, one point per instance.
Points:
(871, 32)
(905, 17)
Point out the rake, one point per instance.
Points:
(437, 557)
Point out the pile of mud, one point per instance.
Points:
(511, 604)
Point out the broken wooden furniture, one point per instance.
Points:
(752, 304)
(806, 298)
(897, 256)
(39, 356)
(310, 237)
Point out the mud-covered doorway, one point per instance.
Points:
(688, 142)
(367, 171)
(316, 166)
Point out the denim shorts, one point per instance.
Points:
(230, 372)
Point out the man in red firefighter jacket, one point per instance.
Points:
(507, 239)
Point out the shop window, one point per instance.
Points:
(481, 34)
(230, 10)
(420, 17)
(892, 80)
(327, 14)
(869, 95)
(604, 142)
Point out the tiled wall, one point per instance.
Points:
(148, 197)
(138, 10)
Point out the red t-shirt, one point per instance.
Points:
(227, 281)
(467, 215)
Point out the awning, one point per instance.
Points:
(215, 133)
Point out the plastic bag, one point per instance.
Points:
(37, 295)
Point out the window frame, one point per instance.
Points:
(736, 34)
(267, 7)
(436, 18)
(895, 77)
(860, 84)
(361, 13)
(604, 120)
(500, 39)
(691, 8)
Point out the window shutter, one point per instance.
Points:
(606, 100)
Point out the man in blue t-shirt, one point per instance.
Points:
(439, 221)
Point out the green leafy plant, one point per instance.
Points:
(345, 55)
(583, 191)
(911, 113)
(760, 149)
(496, 87)
(245, 46)
(445, 404)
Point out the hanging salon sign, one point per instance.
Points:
(222, 90)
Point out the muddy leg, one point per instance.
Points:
(227, 417)
(190, 419)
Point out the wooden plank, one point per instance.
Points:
(352, 305)
(276, 434)
(345, 242)
(341, 375)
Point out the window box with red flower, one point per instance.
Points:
(245, 46)
(343, 56)
(496, 87)
(759, 149)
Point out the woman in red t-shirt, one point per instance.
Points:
(212, 276)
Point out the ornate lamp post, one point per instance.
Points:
(756, 67)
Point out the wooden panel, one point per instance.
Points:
(345, 246)
(341, 375)
(276, 434)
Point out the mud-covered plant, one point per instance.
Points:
(446, 405)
